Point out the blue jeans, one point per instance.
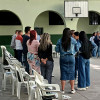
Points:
(76, 66)
(19, 55)
(94, 51)
(46, 70)
(98, 51)
(26, 63)
(83, 72)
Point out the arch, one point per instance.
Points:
(95, 12)
(54, 12)
(4, 10)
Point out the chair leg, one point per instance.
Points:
(13, 86)
(27, 88)
(60, 96)
(18, 90)
(4, 82)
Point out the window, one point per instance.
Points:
(8, 18)
(94, 18)
(55, 19)
(39, 30)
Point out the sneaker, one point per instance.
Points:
(81, 89)
(73, 91)
(87, 87)
(63, 92)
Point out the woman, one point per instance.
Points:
(32, 55)
(84, 62)
(67, 46)
(94, 51)
(45, 55)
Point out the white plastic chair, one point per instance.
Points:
(5, 68)
(21, 73)
(11, 73)
(41, 88)
(32, 87)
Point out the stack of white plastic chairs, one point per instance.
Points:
(37, 86)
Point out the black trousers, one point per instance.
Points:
(15, 54)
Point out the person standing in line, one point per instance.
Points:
(76, 36)
(97, 41)
(45, 55)
(67, 46)
(13, 44)
(26, 37)
(84, 62)
(19, 48)
(94, 52)
(32, 55)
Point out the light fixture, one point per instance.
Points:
(76, 10)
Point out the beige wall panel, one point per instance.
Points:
(9, 30)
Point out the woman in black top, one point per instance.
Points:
(45, 55)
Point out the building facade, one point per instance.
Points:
(35, 13)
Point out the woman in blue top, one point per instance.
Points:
(67, 46)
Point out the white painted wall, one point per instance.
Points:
(43, 21)
(28, 11)
(9, 30)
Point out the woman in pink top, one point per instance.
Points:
(32, 55)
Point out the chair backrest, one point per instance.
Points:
(3, 48)
(38, 78)
(20, 73)
(19, 70)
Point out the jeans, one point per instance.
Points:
(83, 72)
(94, 51)
(46, 70)
(76, 66)
(15, 53)
(26, 63)
(98, 51)
(19, 55)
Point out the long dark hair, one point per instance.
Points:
(83, 37)
(33, 34)
(66, 39)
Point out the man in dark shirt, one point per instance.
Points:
(26, 37)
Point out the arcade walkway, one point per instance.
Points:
(93, 93)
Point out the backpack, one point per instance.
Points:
(86, 50)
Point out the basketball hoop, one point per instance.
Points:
(76, 10)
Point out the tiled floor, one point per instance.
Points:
(93, 93)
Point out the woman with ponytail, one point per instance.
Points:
(32, 55)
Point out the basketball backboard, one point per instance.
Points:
(76, 8)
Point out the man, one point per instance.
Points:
(25, 38)
(13, 44)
